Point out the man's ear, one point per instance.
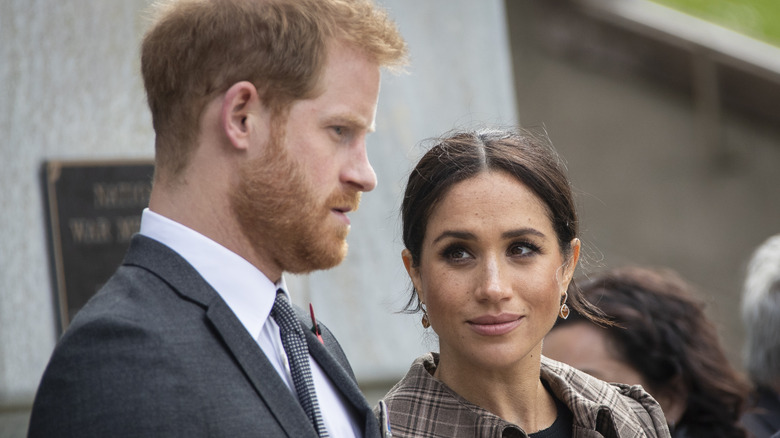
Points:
(240, 104)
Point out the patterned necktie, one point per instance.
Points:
(294, 344)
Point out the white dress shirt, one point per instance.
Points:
(250, 295)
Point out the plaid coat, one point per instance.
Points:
(422, 406)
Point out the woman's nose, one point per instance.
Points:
(493, 286)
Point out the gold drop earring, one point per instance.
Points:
(564, 312)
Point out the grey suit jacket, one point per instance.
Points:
(158, 353)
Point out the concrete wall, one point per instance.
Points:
(651, 192)
(71, 90)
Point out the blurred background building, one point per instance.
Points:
(670, 126)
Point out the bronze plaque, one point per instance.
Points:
(94, 208)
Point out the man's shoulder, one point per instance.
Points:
(137, 310)
(133, 310)
(132, 296)
(153, 284)
(137, 349)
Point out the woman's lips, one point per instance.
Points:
(495, 325)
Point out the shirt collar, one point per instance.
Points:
(245, 289)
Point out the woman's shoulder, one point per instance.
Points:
(598, 405)
(418, 382)
(421, 405)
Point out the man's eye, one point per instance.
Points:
(339, 130)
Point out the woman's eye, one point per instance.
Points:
(456, 253)
(523, 249)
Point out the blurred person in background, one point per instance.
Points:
(662, 340)
(761, 317)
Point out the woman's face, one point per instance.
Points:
(491, 273)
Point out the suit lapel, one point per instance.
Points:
(185, 280)
(259, 371)
(343, 380)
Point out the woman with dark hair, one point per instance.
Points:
(660, 339)
(490, 231)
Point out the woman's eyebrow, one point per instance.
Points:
(511, 234)
(522, 232)
(464, 235)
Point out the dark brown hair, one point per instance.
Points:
(660, 329)
(197, 49)
(525, 155)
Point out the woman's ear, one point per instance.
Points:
(414, 272)
(240, 105)
(574, 257)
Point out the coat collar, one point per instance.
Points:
(599, 406)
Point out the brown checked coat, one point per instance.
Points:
(422, 406)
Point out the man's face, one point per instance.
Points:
(292, 201)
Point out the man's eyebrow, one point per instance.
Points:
(352, 121)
